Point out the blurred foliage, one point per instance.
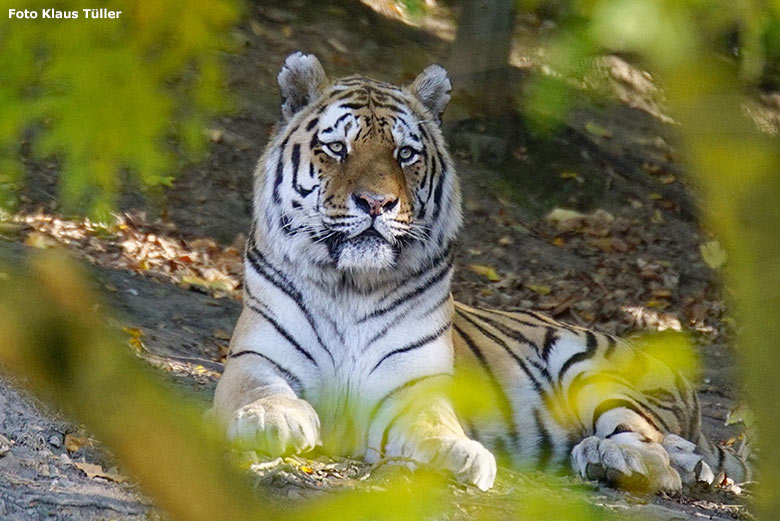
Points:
(105, 97)
(54, 335)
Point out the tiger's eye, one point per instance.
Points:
(406, 153)
(337, 147)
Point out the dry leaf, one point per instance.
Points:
(221, 334)
(135, 338)
(96, 471)
(74, 443)
(593, 128)
(561, 215)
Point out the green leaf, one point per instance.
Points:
(713, 254)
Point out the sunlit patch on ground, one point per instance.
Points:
(133, 244)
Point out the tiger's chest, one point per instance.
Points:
(371, 357)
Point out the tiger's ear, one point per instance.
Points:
(301, 80)
(432, 87)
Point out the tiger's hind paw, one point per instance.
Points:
(626, 460)
(691, 467)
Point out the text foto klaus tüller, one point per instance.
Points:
(53, 14)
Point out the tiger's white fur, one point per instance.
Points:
(346, 340)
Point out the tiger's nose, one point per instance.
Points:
(374, 204)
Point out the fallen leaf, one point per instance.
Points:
(593, 128)
(488, 272)
(741, 414)
(135, 338)
(221, 334)
(74, 443)
(657, 304)
(573, 176)
(96, 471)
(540, 289)
(562, 215)
(713, 254)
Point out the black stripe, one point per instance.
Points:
(419, 290)
(591, 343)
(400, 317)
(390, 425)
(402, 387)
(679, 414)
(390, 106)
(437, 196)
(517, 336)
(280, 280)
(414, 345)
(620, 429)
(283, 332)
(615, 403)
(417, 275)
(611, 344)
(545, 446)
(352, 106)
(310, 125)
(550, 338)
(293, 380)
(279, 173)
(512, 315)
(537, 386)
(504, 404)
(583, 379)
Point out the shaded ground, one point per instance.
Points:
(173, 277)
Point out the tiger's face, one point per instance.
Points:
(358, 176)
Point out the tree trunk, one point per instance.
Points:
(478, 63)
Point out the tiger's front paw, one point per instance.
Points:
(468, 460)
(275, 425)
(628, 461)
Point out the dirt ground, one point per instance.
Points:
(630, 261)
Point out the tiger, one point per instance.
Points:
(349, 339)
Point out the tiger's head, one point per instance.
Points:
(357, 176)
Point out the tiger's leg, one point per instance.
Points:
(423, 427)
(256, 399)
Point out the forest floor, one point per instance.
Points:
(634, 258)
